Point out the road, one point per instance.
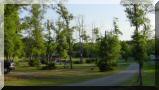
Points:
(113, 80)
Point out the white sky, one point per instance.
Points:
(101, 14)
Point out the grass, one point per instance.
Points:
(32, 76)
(148, 76)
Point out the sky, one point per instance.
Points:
(101, 15)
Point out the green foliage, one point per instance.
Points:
(89, 49)
(76, 62)
(50, 42)
(49, 66)
(34, 41)
(62, 44)
(104, 66)
(32, 25)
(67, 17)
(28, 42)
(91, 60)
(140, 51)
(126, 50)
(116, 27)
(85, 37)
(67, 29)
(44, 61)
(109, 50)
(38, 45)
(34, 62)
(12, 39)
(151, 46)
(137, 14)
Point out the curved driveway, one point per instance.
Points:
(113, 80)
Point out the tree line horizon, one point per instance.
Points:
(38, 47)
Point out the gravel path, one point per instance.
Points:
(113, 80)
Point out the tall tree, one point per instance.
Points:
(38, 45)
(50, 42)
(28, 40)
(85, 40)
(61, 40)
(109, 48)
(116, 27)
(136, 13)
(95, 39)
(80, 27)
(12, 38)
(1, 32)
(67, 17)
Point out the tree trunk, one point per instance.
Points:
(81, 58)
(70, 54)
(81, 51)
(137, 33)
(71, 62)
(140, 75)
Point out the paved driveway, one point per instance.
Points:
(113, 80)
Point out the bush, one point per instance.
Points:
(88, 61)
(103, 66)
(92, 60)
(114, 64)
(49, 66)
(17, 63)
(34, 62)
(76, 62)
(44, 61)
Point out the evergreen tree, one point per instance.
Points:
(109, 52)
(109, 48)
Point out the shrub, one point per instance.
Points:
(103, 66)
(17, 63)
(114, 64)
(63, 61)
(49, 66)
(76, 62)
(34, 62)
(92, 60)
(88, 61)
(44, 61)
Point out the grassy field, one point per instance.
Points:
(32, 76)
(148, 76)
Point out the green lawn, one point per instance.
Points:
(31, 76)
(148, 76)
